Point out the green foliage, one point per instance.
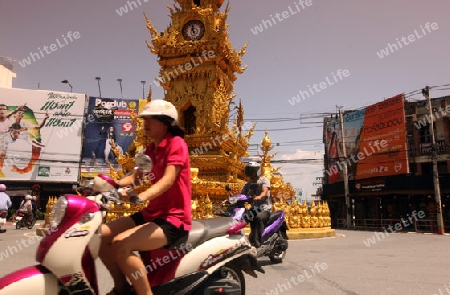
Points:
(40, 215)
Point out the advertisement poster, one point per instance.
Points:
(383, 140)
(375, 142)
(333, 150)
(40, 135)
(108, 122)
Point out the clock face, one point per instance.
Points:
(193, 30)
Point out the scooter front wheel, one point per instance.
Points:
(33, 222)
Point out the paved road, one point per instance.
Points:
(400, 263)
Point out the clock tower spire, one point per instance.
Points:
(198, 69)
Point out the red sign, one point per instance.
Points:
(382, 148)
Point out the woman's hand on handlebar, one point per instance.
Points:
(129, 195)
(124, 193)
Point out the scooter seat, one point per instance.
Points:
(203, 230)
(274, 216)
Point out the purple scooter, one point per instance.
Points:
(274, 238)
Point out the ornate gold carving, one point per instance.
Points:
(199, 76)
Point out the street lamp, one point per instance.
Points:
(120, 84)
(67, 82)
(98, 82)
(143, 93)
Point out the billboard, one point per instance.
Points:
(108, 120)
(383, 140)
(375, 142)
(40, 135)
(333, 150)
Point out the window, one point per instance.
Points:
(425, 135)
(190, 120)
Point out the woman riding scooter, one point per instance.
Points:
(168, 217)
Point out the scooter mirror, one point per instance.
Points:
(143, 163)
(227, 188)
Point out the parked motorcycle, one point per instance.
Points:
(274, 238)
(211, 260)
(3, 216)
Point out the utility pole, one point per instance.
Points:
(437, 190)
(345, 173)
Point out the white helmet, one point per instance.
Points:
(28, 197)
(103, 183)
(159, 107)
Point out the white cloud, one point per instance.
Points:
(303, 174)
(301, 154)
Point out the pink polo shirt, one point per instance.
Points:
(174, 205)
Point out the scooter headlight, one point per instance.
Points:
(58, 212)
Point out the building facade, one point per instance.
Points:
(401, 162)
(6, 72)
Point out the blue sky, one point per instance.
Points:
(306, 47)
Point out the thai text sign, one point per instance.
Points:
(383, 140)
(40, 135)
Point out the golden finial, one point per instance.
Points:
(150, 94)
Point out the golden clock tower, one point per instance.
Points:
(198, 69)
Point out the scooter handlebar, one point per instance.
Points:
(132, 193)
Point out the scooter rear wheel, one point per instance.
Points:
(277, 257)
(279, 252)
(230, 271)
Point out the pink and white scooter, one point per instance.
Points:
(211, 260)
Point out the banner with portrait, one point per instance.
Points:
(40, 135)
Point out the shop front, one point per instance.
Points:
(18, 190)
(379, 202)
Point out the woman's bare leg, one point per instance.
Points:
(141, 238)
(109, 231)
